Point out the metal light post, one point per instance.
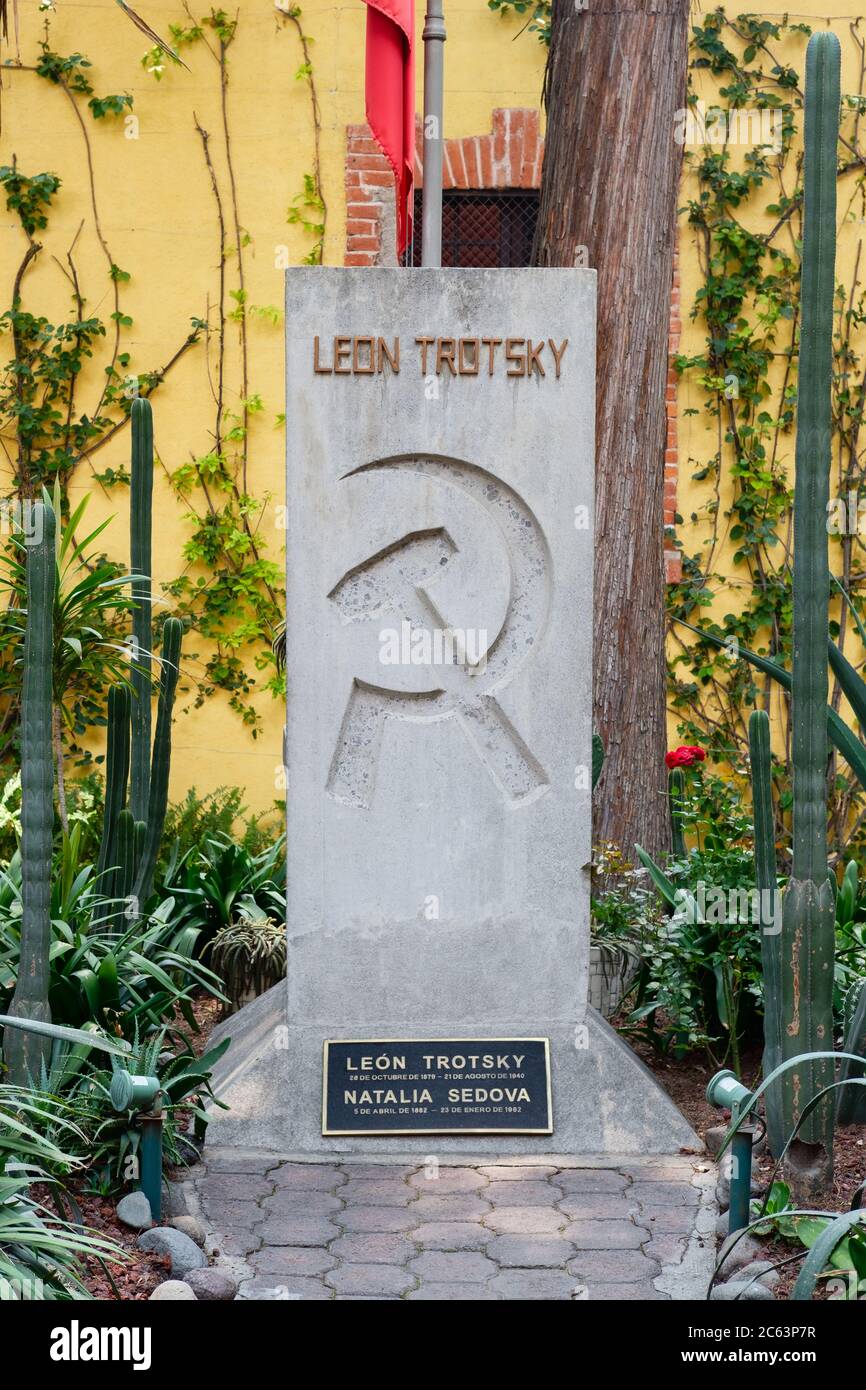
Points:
(434, 67)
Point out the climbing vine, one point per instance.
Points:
(230, 588)
(743, 215)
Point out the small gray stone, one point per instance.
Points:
(172, 1291)
(760, 1269)
(714, 1138)
(192, 1227)
(722, 1225)
(743, 1253)
(183, 1252)
(746, 1293)
(212, 1285)
(134, 1210)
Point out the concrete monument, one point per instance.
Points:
(439, 636)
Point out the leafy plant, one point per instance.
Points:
(220, 879)
(249, 955)
(40, 1251)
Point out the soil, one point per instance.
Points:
(685, 1081)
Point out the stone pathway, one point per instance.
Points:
(507, 1230)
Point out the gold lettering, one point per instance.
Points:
(425, 343)
(444, 354)
(357, 365)
(469, 368)
(533, 358)
(342, 351)
(384, 351)
(558, 353)
(491, 344)
(325, 371)
(516, 358)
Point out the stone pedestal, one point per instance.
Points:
(439, 604)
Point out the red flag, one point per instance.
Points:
(390, 93)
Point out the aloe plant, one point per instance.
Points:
(802, 1017)
(140, 527)
(851, 1108)
(25, 1052)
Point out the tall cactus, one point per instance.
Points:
(161, 764)
(771, 946)
(140, 529)
(116, 775)
(807, 938)
(25, 1052)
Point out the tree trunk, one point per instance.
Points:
(616, 76)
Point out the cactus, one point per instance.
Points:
(27, 1052)
(161, 763)
(851, 1109)
(805, 1006)
(676, 794)
(116, 774)
(767, 889)
(140, 518)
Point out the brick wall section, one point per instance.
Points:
(509, 156)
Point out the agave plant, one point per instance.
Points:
(40, 1251)
(249, 955)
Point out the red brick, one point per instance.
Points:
(376, 180)
(356, 227)
(359, 258)
(366, 243)
(367, 161)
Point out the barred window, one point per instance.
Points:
(491, 227)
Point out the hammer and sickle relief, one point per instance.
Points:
(393, 582)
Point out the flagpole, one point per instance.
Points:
(434, 69)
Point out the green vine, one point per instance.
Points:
(744, 217)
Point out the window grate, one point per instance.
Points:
(493, 227)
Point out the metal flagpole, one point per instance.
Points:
(434, 68)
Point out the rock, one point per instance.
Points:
(172, 1291)
(722, 1225)
(738, 1289)
(762, 1269)
(192, 1227)
(183, 1252)
(134, 1210)
(743, 1253)
(212, 1285)
(714, 1137)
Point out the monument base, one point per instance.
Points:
(605, 1101)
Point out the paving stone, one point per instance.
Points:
(668, 1220)
(620, 1293)
(280, 1290)
(461, 1206)
(289, 1202)
(452, 1235)
(308, 1176)
(242, 1241)
(530, 1252)
(227, 1161)
(234, 1187)
(223, 1214)
(664, 1173)
(517, 1221)
(451, 1293)
(665, 1194)
(297, 1230)
(456, 1267)
(448, 1180)
(369, 1279)
(586, 1180)
(605, 1235)
(532, 1284)
(596, 1206)
(522, 1194)
(373, 1248)
(287, 1260)
(668, 1249)
(378, 1218)
(375, 1172)
(505, 1172)
(386, 1193)
(612, 1267)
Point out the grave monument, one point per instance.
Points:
(439, 551)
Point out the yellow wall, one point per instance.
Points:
(698, 439)
(157, 216)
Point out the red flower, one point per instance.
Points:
(685, 756)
